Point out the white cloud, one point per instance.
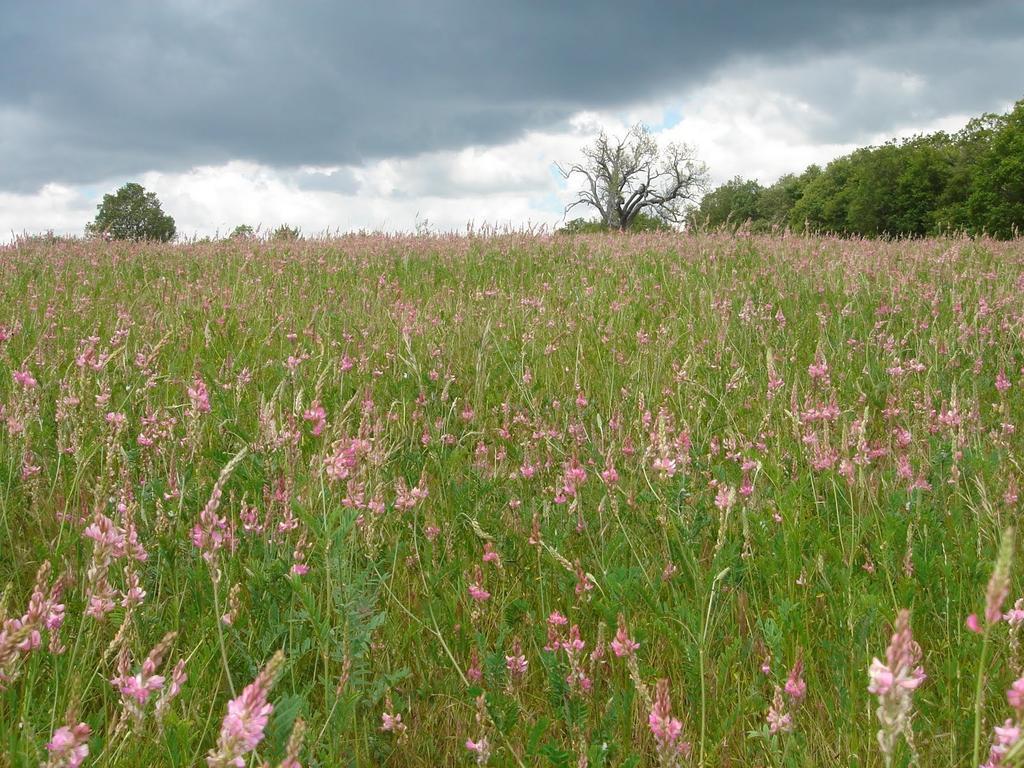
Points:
(749, 121)
(60, 208)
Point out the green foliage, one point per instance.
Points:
(730, 205)
(970, 181)
(582, 226)
(243, 230)
(132, 213)
(775, 202)
(996, 204)
(642, 222)
(460, 364)
(284, 232)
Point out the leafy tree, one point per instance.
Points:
(582, 226)
(775, 202)
(284, 232)
(628, 176)
(967, 148)
(642, 223)
(733, 204)
(871, 190)
(970, 181)
(823, 207)
(996, 203)
(242, 231)
(132, 213)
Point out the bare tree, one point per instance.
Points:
(627, 176)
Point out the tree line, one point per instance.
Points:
(971, 181)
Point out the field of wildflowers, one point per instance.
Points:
(512, 501)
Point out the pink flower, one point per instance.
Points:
(136, 689)
(795, 687)
(575, 643)
(880, 678)
(999, 583)
(481, 747)
(725, 498)
(609, 475)
(583, 581)
(554, 640)
(894, 682)
(247, 717)
(317, 416)
(25, 379)
(779, 719)
(299, 565)
(474, 672)
(818, 369)
(517, 662)
(171, 691)
(973, 624)
(200, 396)
(1015, 695)
(343, 463)
(392, 723)
(491, 555)
(1007, 734)
(23, 635)
(622, 645)
(69, 746)
(665, 466)
(1003, 738)
(665, 728)
(476, 589)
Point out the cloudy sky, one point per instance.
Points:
(345, 115)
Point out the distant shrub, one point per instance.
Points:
(284, 232)
(640, 223)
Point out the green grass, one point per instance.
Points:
(657, 332)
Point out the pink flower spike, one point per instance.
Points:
(391, 723)
(1015, 695)
(476, 589)
(973, 624)
(491, 554)
(69, 746)
(665, 729)
(795, 686)
(25, 379)
(1015, 616)
(248, 714)
(880, 678)
(623, 645)
(894, 683)
(481, 747)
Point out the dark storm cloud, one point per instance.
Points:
(90, 91)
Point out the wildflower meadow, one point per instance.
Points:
(512, 500)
